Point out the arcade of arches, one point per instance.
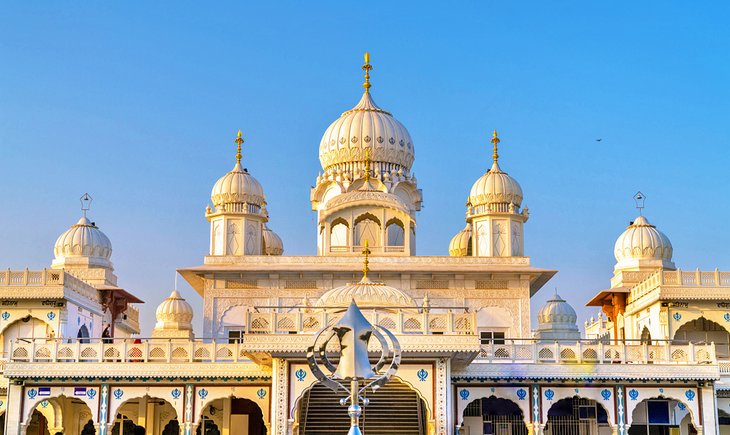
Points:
(703, 330)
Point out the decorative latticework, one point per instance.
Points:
(242, 283)
(43, 353)
(286, 324)
(179, 353)
(387, 323)
(20, 353)
(134, 353)
(260, 324)
(201, 353)
(65, 353)
(590, 355)
(88, 353)
(310, 324)
(432, 284)
(300, 284)
(567, 354)
(545, 354)
(157, 353)
(437, 324)
(412, 324)
(482, 284)
(111, 353)
(501, 352)
(702, 355)
(224, 353)
(679, 355)
(462, 323)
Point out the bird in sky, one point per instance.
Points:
(598, 140)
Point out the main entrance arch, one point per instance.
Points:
(394, 405)
(57, 415)
(152, 414)
(659, 415)
(237, 416)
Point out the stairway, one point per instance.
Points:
(394, 409)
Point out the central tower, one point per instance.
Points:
(367, 192)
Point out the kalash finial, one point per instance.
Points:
(495, 140)
(239, 142)
(366, 261)
(639, 199)
(367, 67)
(86, 200)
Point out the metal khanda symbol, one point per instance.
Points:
(521, 394)
(690, 395)
(353, 331)
(606, 394)
(261, 393)
(300, 374)
(422, 375)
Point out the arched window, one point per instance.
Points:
(395, 233)
(339, 233)
(367, 227)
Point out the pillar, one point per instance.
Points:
(103, 409)
(443, 396)
(13, 409)
(708, 418)
(188, 418)
(226, 429)
(279, 396)
(536, 427)
(620, 410)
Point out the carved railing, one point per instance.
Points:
(397, 320)
(678, 278)
(126, 350)
(46, 277)
(591, 352)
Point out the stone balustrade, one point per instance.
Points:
(591, 352)
(672, 280)
(12, 282)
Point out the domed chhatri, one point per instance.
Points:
(366, 126)
(238, 219)
(174, 318)
(557, 321)
(366, 293)
(460, 245)
(495, 188)
(493, 214)
(83, 244)
(367, 190)
(642, 244)
(237, 188)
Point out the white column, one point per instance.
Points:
(13, 417)
(279, 396)
(710, 425)
(226, 429)
(444, 420)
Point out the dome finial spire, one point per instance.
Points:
(495, 140)
(367, 67)
(86, 200)
(239, 142)
(639, 198)
(366, 261)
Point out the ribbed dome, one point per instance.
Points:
(367, 294)
(84, 239)
(460, 245)
(235, 188)
(556, 310)
(495, 187)
(272, 242)
(366, 126)
(174, 313)
(642, 241)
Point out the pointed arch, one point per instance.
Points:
(703, 330)
(494, 415)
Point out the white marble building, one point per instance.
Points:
(655, 361)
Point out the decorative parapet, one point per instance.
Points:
(382, 263)
(46, 283)
(679, 284)
(399, 321)
(130, 319)
(590, 352)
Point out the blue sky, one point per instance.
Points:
(138, 103)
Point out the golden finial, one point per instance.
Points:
(367, 165)
(495, 140)
(366, 262)
(239, 142)
(367, 67)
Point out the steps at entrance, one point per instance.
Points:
(394, 409)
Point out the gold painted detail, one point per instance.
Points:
(367, 67)
(491, 283)
(432, 284)
(366, 262)
(495, 140)
(239, 142)
(242, 283)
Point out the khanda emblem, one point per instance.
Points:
(354, 332)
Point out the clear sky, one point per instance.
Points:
(138, 104)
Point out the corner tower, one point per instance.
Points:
(367, 192)
(239, 216)
(494, 219)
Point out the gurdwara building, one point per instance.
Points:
(655, 360)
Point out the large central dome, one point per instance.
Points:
(366, 126)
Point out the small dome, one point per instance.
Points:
(495, 187)
(460, 245)
(642, 241)
(84, 239)
(366, 294)
(557, 321)
(366, 126)
(174, 313)
(235, 188)
(556, 310)
(272, 242)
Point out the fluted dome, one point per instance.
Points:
(557, 320)
(367, 126)
(495, 187)
(642, 241)
(84, 239)
(174, 317)
(272, 242)
(366, 294)
(235, 188)
(460, 245)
